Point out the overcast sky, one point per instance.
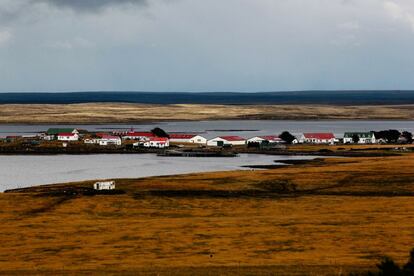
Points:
(206, 45)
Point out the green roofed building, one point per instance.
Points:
(364, 137)
(56, 131)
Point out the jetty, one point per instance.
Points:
(179, 153)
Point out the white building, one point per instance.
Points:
(270, 138)
(107, 140)
(68, 137)
(141, 136)
(198, 139)
(226, 140)
(156, 142)
(47, 137)
(363, 137)
(318, 138)
(91, 141)
(187, 138)
(104, 185)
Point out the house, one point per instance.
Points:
(187, 138)
(198, 139)
(105, 185)
(68, 137)
(272, 139)
(156, 142)
(226, 140)
(103, 139)
(47, 137)
(318, 138)
(106, 140)
(141, 136)
(364, 137)
(56, 131)
(91, 141)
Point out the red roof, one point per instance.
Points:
(232, 138)
(159, 139)
(101, 134)
(182, 136)
(271, 137)
(107, 136)
(320, 136)
(66, 134)
(140, 134)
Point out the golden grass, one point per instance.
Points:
(128, 113)
(344, 214)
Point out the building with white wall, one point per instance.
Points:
(187, 138)
(68, 137)
(363, 137)
(274, 139)
(318, 138)
(226, 140)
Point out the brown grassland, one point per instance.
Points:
(129, 113)
(326, 217)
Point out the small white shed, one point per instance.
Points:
(104, 185)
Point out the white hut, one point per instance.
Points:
(104, 185)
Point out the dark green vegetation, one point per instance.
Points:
(388, 267)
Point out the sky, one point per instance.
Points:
(205, 45)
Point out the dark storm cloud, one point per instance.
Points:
(92, 5)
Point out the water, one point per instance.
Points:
(293, 97)
(23, 171)
(211, 129)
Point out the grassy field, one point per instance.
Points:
(327, 217)
(129, 113)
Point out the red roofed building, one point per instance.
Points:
(108, 136)
(318, 138)
(187, 138)
(226, 140)
(157, 142)
(142, 136)
(106, 140)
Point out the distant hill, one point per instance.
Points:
(298, 97)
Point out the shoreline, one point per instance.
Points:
(315, 161)
(370, 152)
(307, 212)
